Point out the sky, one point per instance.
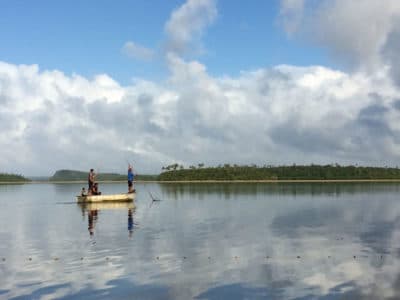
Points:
(97, 84)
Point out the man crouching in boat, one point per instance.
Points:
(130, 179)
(95, 189)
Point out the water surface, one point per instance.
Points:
(202, 241)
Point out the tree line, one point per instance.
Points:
(176, 172)
(6, 177)
(73, 175)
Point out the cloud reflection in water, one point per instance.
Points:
(291, 241)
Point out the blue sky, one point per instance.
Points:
(86, 37)
(197, 81)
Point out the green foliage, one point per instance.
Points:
(71, 175)
(146, 177)
(269, 172)
(5, 177)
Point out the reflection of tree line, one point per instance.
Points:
(294, 172)
(251, 189)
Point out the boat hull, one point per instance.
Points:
(106, 198)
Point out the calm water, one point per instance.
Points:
(202, 241)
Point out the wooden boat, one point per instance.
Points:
(103, 198)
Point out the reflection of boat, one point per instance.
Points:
(93, 209)
(107, 205)
(101, 198)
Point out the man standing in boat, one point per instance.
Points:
(130, 179)
(91, 178)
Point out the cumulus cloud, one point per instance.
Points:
(136, 51)
(354, 32)
(391, 50)
(283, 114)
(279, 115)
(187, 23)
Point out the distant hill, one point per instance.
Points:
(73, 175)
(4, 177)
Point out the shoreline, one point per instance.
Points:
(216, 181)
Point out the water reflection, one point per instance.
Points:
(92, 219)
(238, 291)
(93, 211)
(232, 241)
(228, 190)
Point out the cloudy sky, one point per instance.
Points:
(97, 84)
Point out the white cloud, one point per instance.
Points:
(187, 23)
(391, 50)
(354, 32)
(291, 12)
(137, 51)
(278, 115)
(283, 114)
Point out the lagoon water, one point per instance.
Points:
(202, 241)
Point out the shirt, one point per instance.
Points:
(130, 175)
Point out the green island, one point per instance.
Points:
(73, 175)
(5, 177)
(228, 172)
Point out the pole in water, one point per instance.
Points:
(152, 198)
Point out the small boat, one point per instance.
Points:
(103, 198)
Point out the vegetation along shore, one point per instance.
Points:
(12, 178)
(237, 173)
(277, 173)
